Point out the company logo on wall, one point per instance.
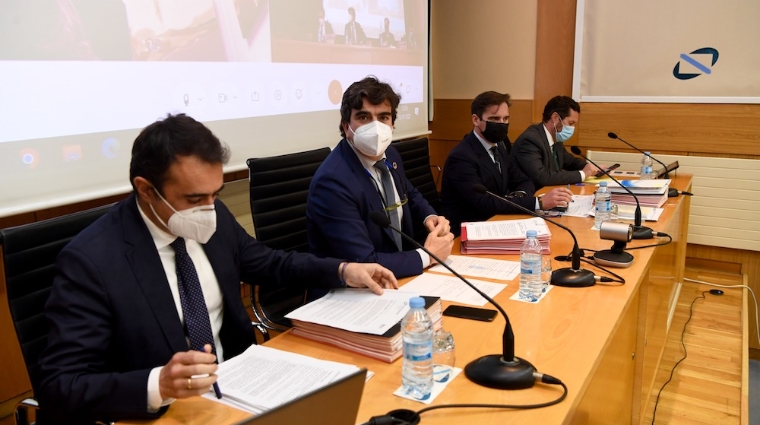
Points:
(689, 59)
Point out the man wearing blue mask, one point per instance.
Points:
(362, 175)
(147, 299)
(540, 152)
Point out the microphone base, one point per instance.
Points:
(494, 372)
(642, 232)
(612, 259)
(573, 278)
(672, 193)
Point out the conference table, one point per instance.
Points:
(604, 342)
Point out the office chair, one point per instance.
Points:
(415, 154)
(279, 187)
(28, 253)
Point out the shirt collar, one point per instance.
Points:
(161, 238)
(548, 135)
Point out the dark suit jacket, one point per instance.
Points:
(469, 163)
(341, 197)
(360, 36)
(113, 317)
(532, 153)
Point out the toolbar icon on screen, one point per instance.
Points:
(72, 153)
(29, 157)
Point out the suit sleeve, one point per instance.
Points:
(334, 210)
(75, 381)
(464, 174)
(529, 156)
(570, 161)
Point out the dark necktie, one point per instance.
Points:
(555, 155)
(197, 322)
(390, 199)
(495, 151)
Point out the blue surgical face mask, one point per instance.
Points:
(566, 133)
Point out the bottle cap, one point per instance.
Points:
(531, 234)
(603, 184)
(417, 302)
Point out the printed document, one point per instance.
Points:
(480, 267)
(357, 310)
(505, 229)
(450, 288)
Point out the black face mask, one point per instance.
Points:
(496, 132)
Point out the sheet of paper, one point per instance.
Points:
(262, 378)
(450, 288)
(480, 267)
(581, 206)
(506, 229)
(357, 310)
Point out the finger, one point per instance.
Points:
(375, 287)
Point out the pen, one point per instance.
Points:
(217, 391)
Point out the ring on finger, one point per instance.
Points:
(189, 383)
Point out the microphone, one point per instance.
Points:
(502, 371)
(573, 276)
(672, 193)
(639, 231)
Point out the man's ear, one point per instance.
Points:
(475, 120)
(144, 189)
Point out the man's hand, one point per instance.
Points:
(439, 241)
(440, 222)
(557, 197)
(176, 378)
(590, 169)
(369, 275)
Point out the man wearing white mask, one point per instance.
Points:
(540, 150)
(147, 299)
(364, 173)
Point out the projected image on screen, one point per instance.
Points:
(80, 78)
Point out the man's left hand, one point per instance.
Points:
(369, 275)
(439, 221)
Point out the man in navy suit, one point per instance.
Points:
(364, 173)
(118, 309)
(540, 151)
(481, 158)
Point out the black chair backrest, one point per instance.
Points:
(415, 154)
(279, 186)
(29, 252)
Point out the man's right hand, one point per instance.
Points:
(176, 378)
(440, 246)
(557, 197)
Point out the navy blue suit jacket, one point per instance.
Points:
(533, 155)
(341, 197)
(469, 164)
(113, 317)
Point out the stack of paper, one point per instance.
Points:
(651, 193)
(360, 321)
(502, 237)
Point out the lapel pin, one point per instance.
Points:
(395, 166)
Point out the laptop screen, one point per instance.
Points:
(335, 404)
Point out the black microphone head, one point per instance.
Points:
(380, 218)
(612, 135)
(576, 150)
(477, 187)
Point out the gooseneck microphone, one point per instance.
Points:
(639, 231)
(672, 193)
(572, 276)
(502, 371)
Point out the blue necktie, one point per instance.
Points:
(197, 322)
(390, 199)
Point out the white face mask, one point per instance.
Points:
(372, 139)
(197, 223)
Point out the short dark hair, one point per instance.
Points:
(158, 145)
(562, 106)
(352, 12)
(486, 99)
(371, 89)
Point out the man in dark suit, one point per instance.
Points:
(540, 150)
(353, 32)
(365, 174)
(147, 298)
(481, 158)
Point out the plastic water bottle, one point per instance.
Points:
(603, 205)
(646, 167)
(530, 268)
(417, 334)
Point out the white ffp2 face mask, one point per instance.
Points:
(197, 223)
(373, 139)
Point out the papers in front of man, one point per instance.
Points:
(450, 288)
(503, 236)
(329, 321)
(643, 187)
(262, 378)
(475, 267)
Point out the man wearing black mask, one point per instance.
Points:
(483, 158)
